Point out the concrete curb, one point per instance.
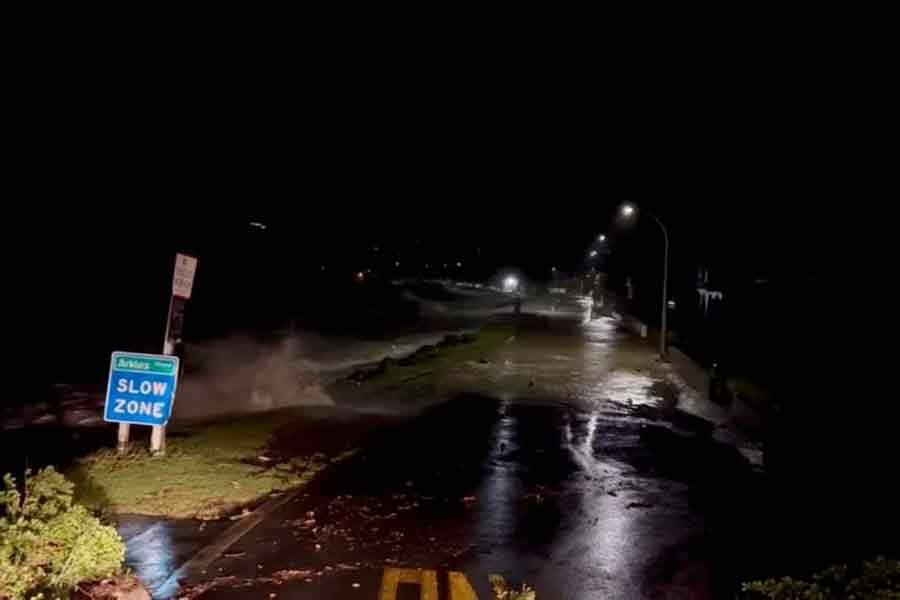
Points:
(209, 553)
(692, 381)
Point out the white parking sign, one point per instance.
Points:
(183, 279)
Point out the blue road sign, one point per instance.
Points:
(141, 388)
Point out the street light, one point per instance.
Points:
(602, 238)
(593, 253)
(629, 210)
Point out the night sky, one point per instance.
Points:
(499, 166)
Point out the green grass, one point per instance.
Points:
(486, 341)
(202, 474)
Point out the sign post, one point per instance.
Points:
(182, 285)
(141, 388)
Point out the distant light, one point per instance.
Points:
(510, 284)
(671, 304)
(602, 238)
(323, 267)
(627, 210)
(360, 276)
(397, 264)
(427, 266)
(593, 253)
(458, 264)
(553, 269)
(258, 225)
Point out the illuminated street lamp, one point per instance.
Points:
(602, 238)
(510, 284)
(593, 253)
(628, 211)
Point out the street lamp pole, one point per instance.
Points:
(665, 286)
(628, 210)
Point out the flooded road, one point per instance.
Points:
(560, 461)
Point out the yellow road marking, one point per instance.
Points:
(460, 588)
(426, 580)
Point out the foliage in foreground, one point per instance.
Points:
(874, 580)
(502, 591)
(48, 545)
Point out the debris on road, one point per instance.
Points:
(291, 574)
(502, 591)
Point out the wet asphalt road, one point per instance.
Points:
(560, 463)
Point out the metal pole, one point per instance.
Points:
(158, 432)
(665, 301)
(665, 284)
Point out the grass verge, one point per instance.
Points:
(208, 471)
(443, 357)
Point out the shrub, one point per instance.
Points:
(48, 544)
(878, 579)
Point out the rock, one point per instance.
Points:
(244, 513)
(451, 340)
(44, 420)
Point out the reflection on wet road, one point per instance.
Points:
(156, 548)
(555, 464)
